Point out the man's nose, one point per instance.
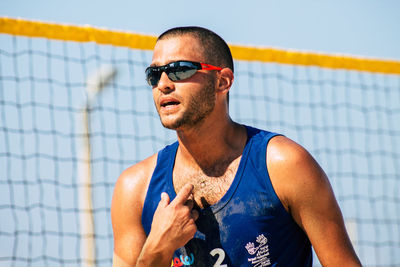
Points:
(165, 84)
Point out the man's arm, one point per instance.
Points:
(306, 193)
(126, 210)
(172, 227)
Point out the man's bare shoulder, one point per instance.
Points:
(282, 150)
(293, 171)
(288, 156)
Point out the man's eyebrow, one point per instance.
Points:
(155, 64)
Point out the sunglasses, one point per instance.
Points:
(176, 71)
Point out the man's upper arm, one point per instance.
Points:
(306, 193)
(126, 212)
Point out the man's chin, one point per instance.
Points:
(172, 125)
(178, 124)
(169, 127)
(182, 122)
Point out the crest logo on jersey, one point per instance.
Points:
(259, 251)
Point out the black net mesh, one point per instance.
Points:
(349, 121)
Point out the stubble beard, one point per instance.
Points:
(199, 107)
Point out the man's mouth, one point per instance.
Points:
(169, 103)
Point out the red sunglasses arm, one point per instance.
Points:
(205, 66)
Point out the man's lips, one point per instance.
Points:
(168, 102)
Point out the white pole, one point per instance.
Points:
(95, 84)
(351, 227)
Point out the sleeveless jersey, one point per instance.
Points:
(248, 226)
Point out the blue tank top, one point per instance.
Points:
(248, 226)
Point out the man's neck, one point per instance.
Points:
(210, 144)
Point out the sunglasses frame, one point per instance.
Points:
(153, 73)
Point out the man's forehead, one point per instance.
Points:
(174, 48)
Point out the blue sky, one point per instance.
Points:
(358, 27)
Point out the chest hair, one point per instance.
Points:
(210, 185)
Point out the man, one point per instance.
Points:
(224, 194)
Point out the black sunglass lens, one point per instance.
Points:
(181, 70)
(153, 76)
(181, 74)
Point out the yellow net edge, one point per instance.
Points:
(29, 28)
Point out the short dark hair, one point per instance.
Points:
(215, 49)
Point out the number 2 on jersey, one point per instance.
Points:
(221, 256)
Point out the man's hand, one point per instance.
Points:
(173, 225)
(175, 222)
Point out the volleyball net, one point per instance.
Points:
(75, 111)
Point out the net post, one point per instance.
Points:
(95, 84)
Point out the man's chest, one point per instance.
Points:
(208, 189)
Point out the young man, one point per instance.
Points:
(224, 194)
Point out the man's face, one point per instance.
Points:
(186, 103)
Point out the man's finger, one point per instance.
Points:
(164, 200)
(183, 194)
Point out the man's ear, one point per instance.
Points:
(225, 80)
